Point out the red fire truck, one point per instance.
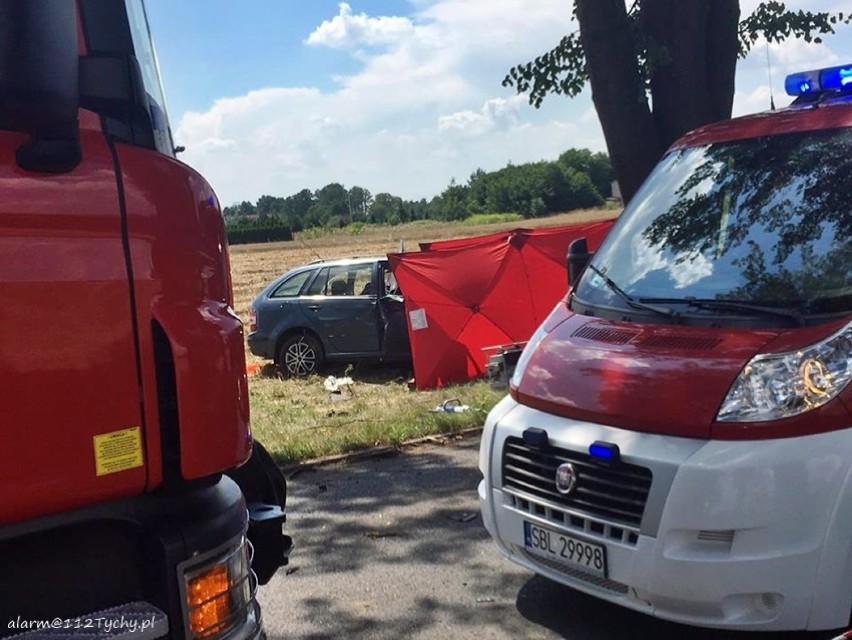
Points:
(130, 499)
(678, 434)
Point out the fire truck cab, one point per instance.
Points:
(131, 497)
(678, 434)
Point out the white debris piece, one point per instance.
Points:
(335, 385)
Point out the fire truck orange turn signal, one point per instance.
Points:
(208, 596)
(219, 595)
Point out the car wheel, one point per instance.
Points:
(300, 356)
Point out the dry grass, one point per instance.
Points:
(298, 419)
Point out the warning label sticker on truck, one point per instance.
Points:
(118, 451)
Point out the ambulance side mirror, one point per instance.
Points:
(577, 259)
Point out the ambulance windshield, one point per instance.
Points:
(765, 221)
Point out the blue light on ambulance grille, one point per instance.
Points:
(605, 451)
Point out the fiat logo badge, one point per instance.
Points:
(566, 478)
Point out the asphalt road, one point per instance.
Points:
(395, 548)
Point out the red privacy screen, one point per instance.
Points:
(466, 297)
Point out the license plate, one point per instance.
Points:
(584, 555)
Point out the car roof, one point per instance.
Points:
(834, 114)
(340, 261)
(327, 263)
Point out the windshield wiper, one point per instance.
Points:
(733, 305)
(630, 300)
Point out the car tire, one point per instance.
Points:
(300, 356)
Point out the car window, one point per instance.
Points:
(317, 287)
(343, 280)
(350, 280)
(292, 285)
(362, 280)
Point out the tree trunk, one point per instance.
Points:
(693, 46)
(723, 47)
(618, 92)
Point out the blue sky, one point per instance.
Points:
(273, 96)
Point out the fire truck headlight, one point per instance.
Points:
(219, 593)
(781, 385)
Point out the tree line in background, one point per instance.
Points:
(578, 179)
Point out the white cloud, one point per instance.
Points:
(794, 55)
(495, 113)
(752, 102)
(347, 30)
(590, 117)
(426, 108)
(427, 105)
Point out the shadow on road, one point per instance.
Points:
(440, 527)
(394, 548)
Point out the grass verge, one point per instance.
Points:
(299, 419)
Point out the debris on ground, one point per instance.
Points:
(451, 406)
(334, 385)
(383, 534)
(339, 388)
(463, 517)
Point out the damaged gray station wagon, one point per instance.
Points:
(330, 311)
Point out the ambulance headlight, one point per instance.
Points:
(782, 385)
(524, 360)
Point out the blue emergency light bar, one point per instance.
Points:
(819, 80)
(836, 78)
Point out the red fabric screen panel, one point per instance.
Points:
(463, 296)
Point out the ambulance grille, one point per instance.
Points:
(616, 493)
